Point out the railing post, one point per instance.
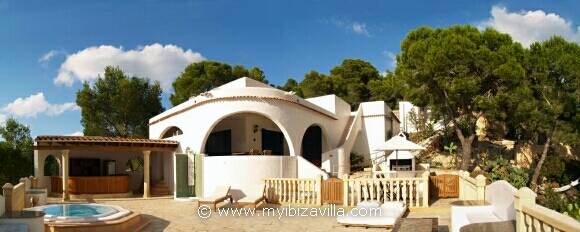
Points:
(466, 193)
(7, 192)
(524, 196)
(426, 189)
(480, 183)
(318, 189)
(345, 190)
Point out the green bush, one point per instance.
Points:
(554, 166)
(554, 201)
(501, 169)
(356, 162)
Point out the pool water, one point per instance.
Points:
(78, 210)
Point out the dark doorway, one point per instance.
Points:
(219, 143)
(312, 145)
(273, 140)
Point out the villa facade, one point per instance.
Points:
(213, 135)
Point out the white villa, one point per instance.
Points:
(235, 134)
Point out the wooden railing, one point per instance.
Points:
(387, 189)
(471, 188)
(294, 190)
(533, 217)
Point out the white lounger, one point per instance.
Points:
(370, 214)
(254, 196)
(220, 194)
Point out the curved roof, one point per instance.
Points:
(61, 142)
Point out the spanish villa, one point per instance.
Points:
(235, 134)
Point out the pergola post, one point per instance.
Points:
(65, 164)
(146, 193)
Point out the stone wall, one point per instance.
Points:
(525, 153)
(14, 195)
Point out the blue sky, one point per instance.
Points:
(47, 49)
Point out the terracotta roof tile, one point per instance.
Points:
(64, 138)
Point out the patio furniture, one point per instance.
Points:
(498, 206)
(504, 226)
(369, 214)
(254, 152)
(254, 197)
(220, 194)
(417, 225)
(267, 152)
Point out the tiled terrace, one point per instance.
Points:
(167, 214)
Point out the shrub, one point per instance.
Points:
(554, 166)
(501, 169)
(554, 201)
(356, 162)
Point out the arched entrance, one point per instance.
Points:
(312, 145)
(51, 166)
(241, 133)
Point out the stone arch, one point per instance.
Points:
(288, 141)
(52, 166)
(170, 132)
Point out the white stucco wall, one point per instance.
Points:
(240, 172)
(291, 119)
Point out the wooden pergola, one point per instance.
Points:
(85, 143)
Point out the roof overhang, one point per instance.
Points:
(48, 142)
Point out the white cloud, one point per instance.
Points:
(392, 58)
(78, 133)
(46, 57)
(35, 104)
(3, 118)
(336, 22)
(360, 28)
(157, 62)
(527, 27)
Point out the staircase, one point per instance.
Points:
(346, 130)
(160, 189)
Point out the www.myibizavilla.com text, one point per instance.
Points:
(205, 211)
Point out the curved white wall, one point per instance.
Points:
(241, 172)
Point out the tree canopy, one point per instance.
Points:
(203, 76)
(16, 152)
(118, 105)
(458, 71)
(553, 69)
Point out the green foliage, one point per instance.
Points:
(118, 105)
(16, 152)
(554, 166)
(451, 148)
(349, 81)
(50, 166)
(356, 162)
(501, 169)
(205, 75)
(134, 164)
(458, 72)
(573, 211)
(553, 200)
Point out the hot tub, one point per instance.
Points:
(81, 212)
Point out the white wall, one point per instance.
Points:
(240, 172)
(306, 169)
(292, 115)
